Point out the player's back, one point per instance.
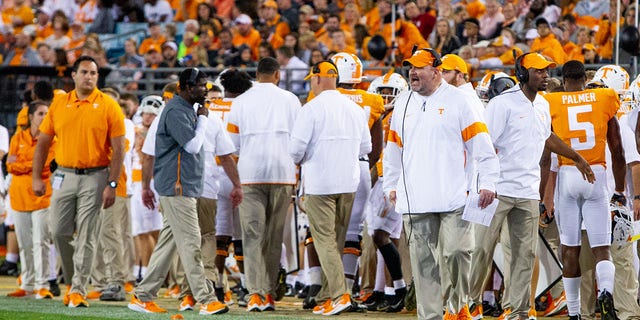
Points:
(581, 119)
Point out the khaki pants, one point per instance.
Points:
(439, 262)
(328, 220)
(207, 221)
(109, 265)
(522, 220)
(32, 231)
(180, 232)
(129, 248)
(75, 208)
(262, 215)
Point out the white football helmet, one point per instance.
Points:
(632, 98)
(621, 225)
(482, 87)
(611, 76)
(390, 80)
(152, 104)
(349, 67)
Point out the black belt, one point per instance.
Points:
(82, 171)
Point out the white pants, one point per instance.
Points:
(357, 212)
(380, 214)
(34, 239)
(143, 219)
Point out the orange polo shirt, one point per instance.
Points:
(148, 42)
(192, 10)
(84, 128)
(252, 40)
(24, 12)
(23, 146)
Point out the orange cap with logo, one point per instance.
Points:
(536, 61)
(421, 58)
(323, 69)
(454, 62)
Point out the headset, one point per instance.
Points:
(522, 74)
(436, 62)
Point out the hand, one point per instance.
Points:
(202, 111)
(148, 199)
(108, 197)
(11, 159)
(392, 198)
(636, 209)
(546, 216)
(486, 198)
(619, 199)
(236, 196)
(585, 169)
(38, 186)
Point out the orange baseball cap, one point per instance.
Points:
(421, 58)
(269, 4)
(323, 69)
(589, 46)
(454, 62)
(537, 61)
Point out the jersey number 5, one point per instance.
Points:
(588, 141)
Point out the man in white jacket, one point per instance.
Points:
(433, 126)
(329, 136)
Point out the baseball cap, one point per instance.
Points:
(472, 21)
(306, 9)
(323, 69)
(536, 61)
(453, 62)
(269, 4)
(421, 58)
(243, 19)
(531, 34)
(170, 44)
(540, 21)
(589, 46)
(153, 47)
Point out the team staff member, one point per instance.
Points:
(330, 129)
(520, 128)
(267, 173)
(416, 153)
(178, 172)
(89, 127)
(31, 213)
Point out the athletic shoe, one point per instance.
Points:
(491, 310)
(310, 301)
(373, 300)
(338, 306)
(43, 294)
(319, 309)
(464, 313)
(228, 298)
(605, 303)
(364, 296)
(76, 300)
(303, 292)
(476, 311)
(555, 306)
(396, 304)
(54, 288)
(113, 293)
(129, 286)
(65, 298)
(383, 305)
(147, 307)
(505, 313)
(576, 317)
(449, 316)
(281, 284)
(187, 303)
(268, 304)
(173, 292)
(94, 295)
(215, 307)
(532, 314)
(20, 294)
(9, 269)
(243, 297)
(255, 303)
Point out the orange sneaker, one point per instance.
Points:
(65, 298)
(147, 307)
(187, 303)
(319, 309)
(365, 296)
(94, 295)
(128, 287)
(172, 292)
(268, 304)
(255, 303)
(342, 304)
(476, 312)
(76, 300)
(228, 298)
(19, 280)
(464, 313)
(44, 294)
(20, 293)
(215, 307)
(556, 306)
(504, 314)
(449, 316)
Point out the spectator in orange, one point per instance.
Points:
(590, 54)
(269, 16)
(22, 54)
(18, 15)
(423, 20)
(224, 7)
(406, 33)
(245, 33)
(59, 38)
(588, 12)
(475, 8)
(76, 40)
(339, 42)
(574, 50)
(268, 35)
(88, 11)
(155, 38)
(43, 24)
(546, 43)
(351, 17)
(186, 9)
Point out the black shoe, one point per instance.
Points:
(374, 299)
(605, 303)
(396, 304)
(290, 291)
(243, 297)
(357, 307)
(9, 269)
(54, 288)
(488, 309)
(310, 300)
(410, 299)
(383, 306)
(219, 294)
(576, 317)
(298, 286)
(281, 288)
(303, 293)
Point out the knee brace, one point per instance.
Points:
(222, 248)
(352, 247)
(308, 239)
(237, 250)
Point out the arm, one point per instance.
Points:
(42, 149)
(148, 197)
(376, 143)
(115, 168)
(195, 144)
(14, 167)
(556, 145)
(229, 165)
(545, 166)
(637, 132)
(301, 136)
(618, 165)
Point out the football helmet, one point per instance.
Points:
(611, 76)
(621, 225)
(349, 67)
(632, 97)
(482, 87)
(390, 80)
(152, 104)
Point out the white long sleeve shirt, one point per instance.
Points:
(217, 143)
(260, 123)
(330, 133)
(519, 129)
(424, 158)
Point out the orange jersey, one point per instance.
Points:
(372, 103)
(580, 119)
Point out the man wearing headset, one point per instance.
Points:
(425, 177)
(520, 126)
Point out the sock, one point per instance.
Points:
(392, 260)
(242, 280)
(315, 275)
(388, 291)
(12, 257)
(399, 284)
(53, 263)
(572, 292)
(489, 297)
(380, 277)
(143, 271)
(136, 270)
(605, 273)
